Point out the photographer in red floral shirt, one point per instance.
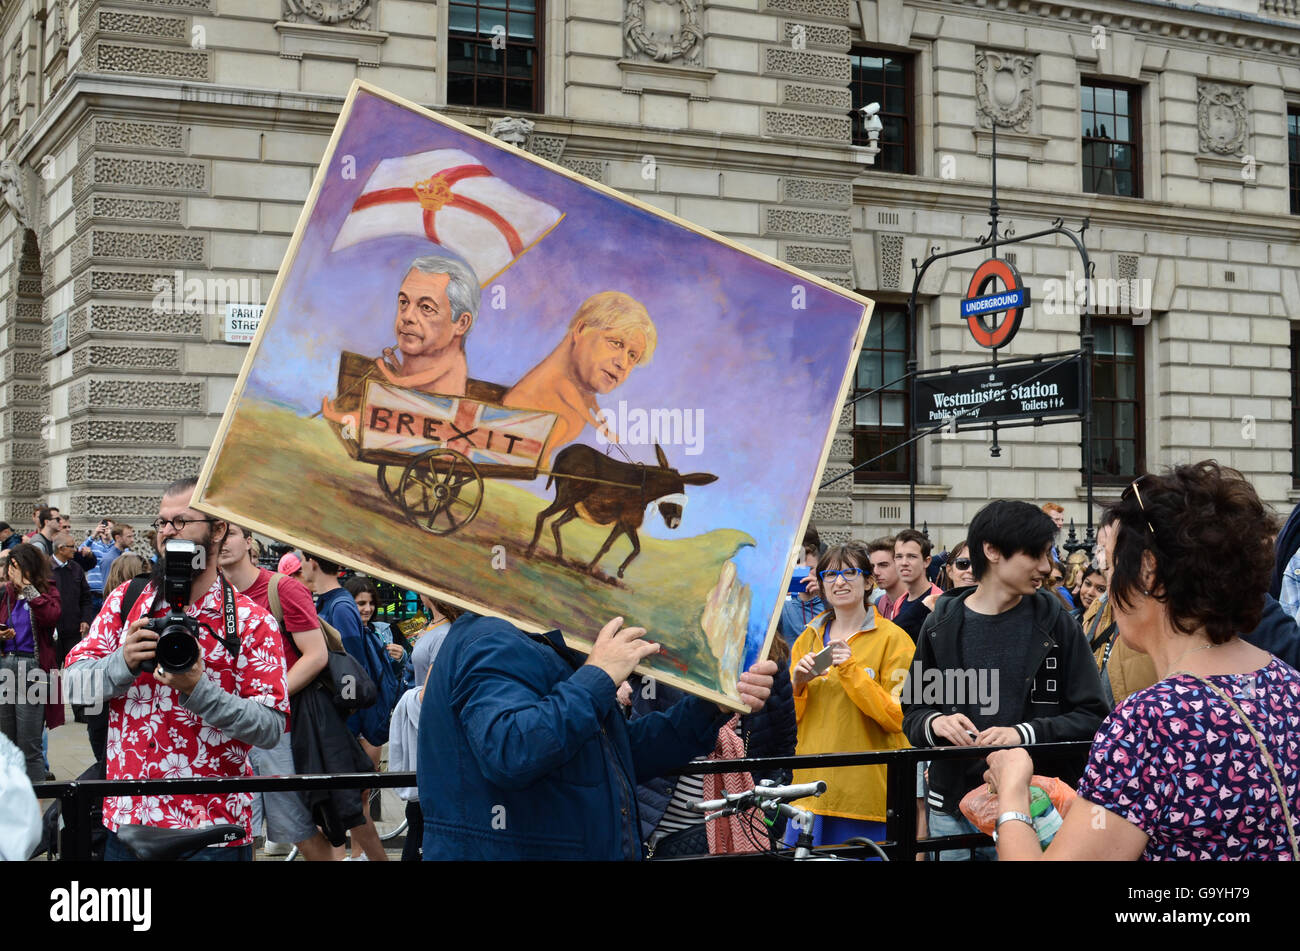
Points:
(200, 722)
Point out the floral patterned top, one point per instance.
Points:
(1176, 761)
(152, 736)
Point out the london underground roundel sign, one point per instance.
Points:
(981, 307)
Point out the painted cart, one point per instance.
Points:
(434, 451)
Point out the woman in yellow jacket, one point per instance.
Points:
(853, 705)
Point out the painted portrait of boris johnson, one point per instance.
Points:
(482, 376)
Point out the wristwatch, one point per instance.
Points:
(1008, 817)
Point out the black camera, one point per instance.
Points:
(177, 649)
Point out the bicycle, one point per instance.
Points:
(771, 801)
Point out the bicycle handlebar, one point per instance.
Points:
(763, 794)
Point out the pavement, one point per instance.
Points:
(70, 755)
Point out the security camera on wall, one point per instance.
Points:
(871, 123)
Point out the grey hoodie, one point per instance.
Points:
(403, 732)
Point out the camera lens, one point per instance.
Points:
(177, 649)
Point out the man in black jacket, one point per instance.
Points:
(74, 594)
(1000, 664)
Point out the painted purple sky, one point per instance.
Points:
(766, 375)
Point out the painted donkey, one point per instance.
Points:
(604, 491)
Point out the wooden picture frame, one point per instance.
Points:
(715, 373)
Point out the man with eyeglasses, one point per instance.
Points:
(201, 722)
(74, 594)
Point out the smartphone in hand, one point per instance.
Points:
(822, 660)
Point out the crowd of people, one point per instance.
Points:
(1168, 649)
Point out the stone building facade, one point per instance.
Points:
(152, 146)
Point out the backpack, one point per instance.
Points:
(349, 686)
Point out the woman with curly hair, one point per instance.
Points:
(1203, 763)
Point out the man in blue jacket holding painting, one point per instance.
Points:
(523, 753)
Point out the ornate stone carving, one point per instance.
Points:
(23, 451)
(128, 432)
(1004, 89)
(826, 510)
(22, 363)
(808, 224)
(549, 147)
(25, 392)
(664, 30)
(179, 247)
(831, 67)
(20, 422)
(111, 467)
(822, 9)
(806, 255)
(1222, 117)
(817, 192)
(808, 126)
(512, 129)
(11, 183)
(144, 135)
(153, 174)
(891, 260)
(116, 319)
(813, 34)
(591, 168)
(26, 336)
(15, 57)
(353, 14)
(126, 358)
(20, 481)
(795, 94)
(842, 446)
(59, 22)
(85, 506)
(149, 61)
(141, 394)
(141, 24)
(124, 206)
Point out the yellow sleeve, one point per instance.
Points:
(802, 645)
(873, 699)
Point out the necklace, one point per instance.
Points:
(1203, 647)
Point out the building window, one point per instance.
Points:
(1117, 450)
(494, 54)
(1295, 407)
(880, 421)
(1112, 139)
(885, 78)
(1293, 143)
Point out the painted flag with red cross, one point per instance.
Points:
(454, 200)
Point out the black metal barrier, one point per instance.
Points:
(901, 844)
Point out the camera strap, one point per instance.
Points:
(231, 641)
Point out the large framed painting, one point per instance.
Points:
(485, 377)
